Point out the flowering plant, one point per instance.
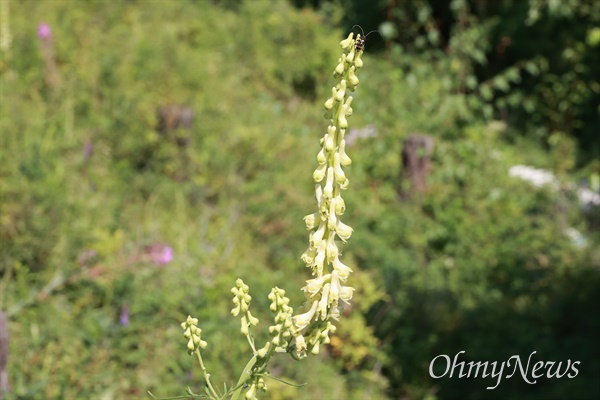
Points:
(310, 327)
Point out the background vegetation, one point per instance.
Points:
(94, 198)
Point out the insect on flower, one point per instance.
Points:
(360, 42)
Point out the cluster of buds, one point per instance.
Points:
(241, 301)
(193, 334)
(258, 384)
(281, 331)
(324, 291)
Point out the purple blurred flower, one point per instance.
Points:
(87, 257)
(124, 317)
(88, 148)
(161, 255)
(44, 31)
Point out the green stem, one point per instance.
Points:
(251, 340)
(206, 376)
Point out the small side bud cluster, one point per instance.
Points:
(328, 232)
(241, 301)
(320, 336)
(193, 334)
(282, 330)
(259, 384)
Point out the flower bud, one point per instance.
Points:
(345, 185)
(263, 352)
(341, 91)
(244, 328)
(321, 158)
(323, 209)
(331, 216)
(350, 56)
(328, 189)
(341, 66)
(315, 349)
(317, 236)
(331, 101)
(251, 393)
(275, 341)
(332, 249)
(340, 177)
(324, 302)
(346, 43)
(334, 293)
(312, 220)
(261, 385)
(342, 269)
(329, 139)
(348, 109)
(340, 205)
(319, 173)
(308, 256)
(252, 319)
(329, 142)
(344, 159)
(352, 79)
(318, 194)
(329, 105)
(300, 346)
(358, 63)
(320, 259)
(342, 121)
(343, 231)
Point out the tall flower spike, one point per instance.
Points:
(311, 329)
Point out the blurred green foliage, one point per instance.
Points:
(480, 262)
(534, 63)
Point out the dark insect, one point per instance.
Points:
(360, 42)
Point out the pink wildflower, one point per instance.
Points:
(161, 255)
(44, 31)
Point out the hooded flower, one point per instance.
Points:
(342, 269)
(301, 321)
(314, 286)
